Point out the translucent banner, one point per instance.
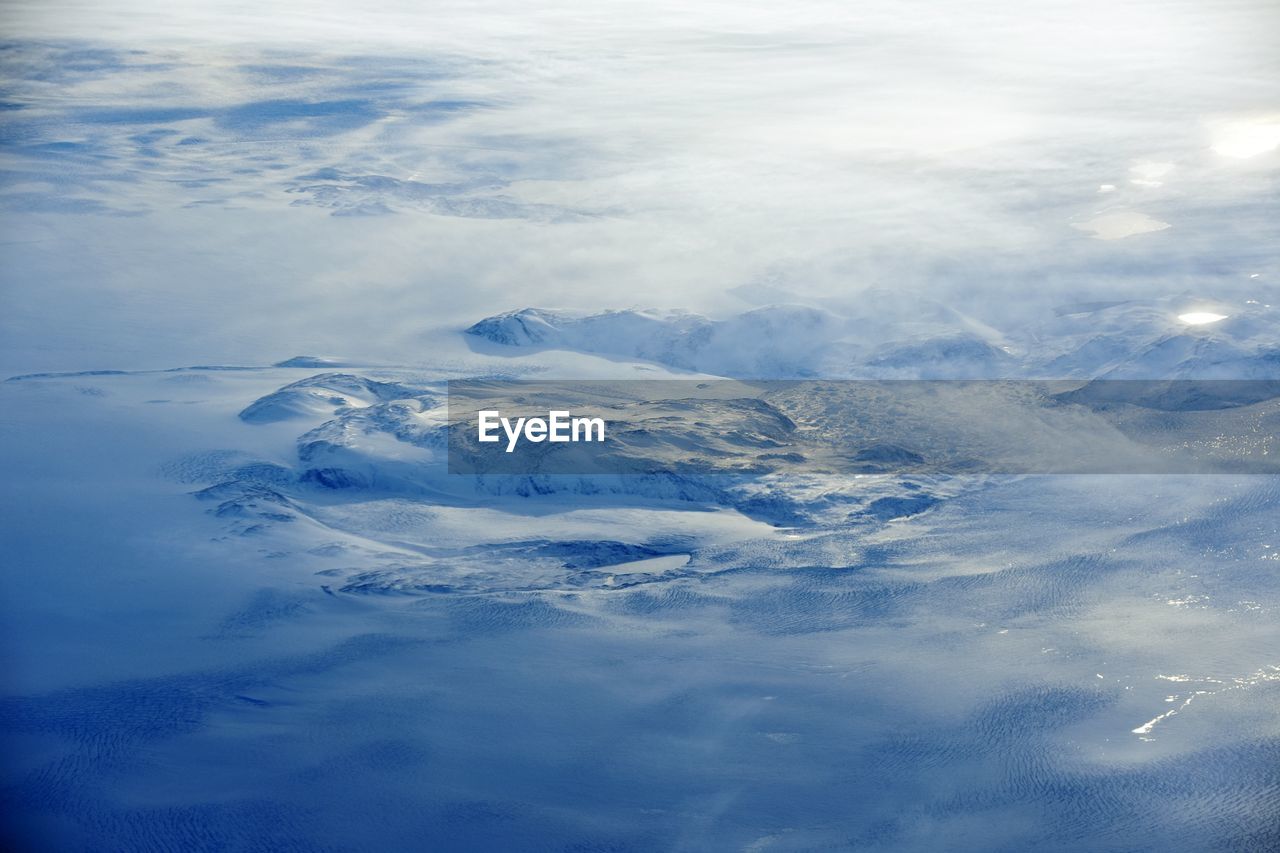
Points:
(689, 427)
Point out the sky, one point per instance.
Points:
(201, 183)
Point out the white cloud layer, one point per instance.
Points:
(198, 183)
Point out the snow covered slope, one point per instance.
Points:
(345, 621)
(344, 624)
(1124, 340)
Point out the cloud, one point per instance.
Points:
(485, 158)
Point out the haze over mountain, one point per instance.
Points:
(1135, 339)
(246, 606)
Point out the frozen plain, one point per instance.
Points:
(244, 608)
(298, 632)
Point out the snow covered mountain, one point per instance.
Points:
(1126, 340)
(773, 342)
(309, 500)
(269, 603)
